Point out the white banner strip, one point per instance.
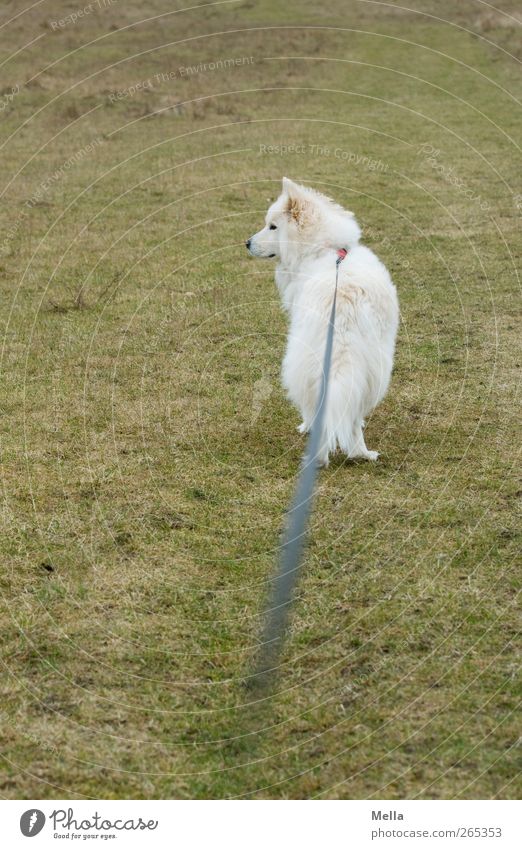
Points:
(263, 824)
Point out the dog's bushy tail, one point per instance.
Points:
(344, 413)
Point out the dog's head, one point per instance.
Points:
(303, 222)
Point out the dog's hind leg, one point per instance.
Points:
(358, 447)
(307, 409)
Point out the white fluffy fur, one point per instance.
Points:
(309, 229)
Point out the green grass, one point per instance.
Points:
(144, 486)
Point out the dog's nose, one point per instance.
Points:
(247, 244)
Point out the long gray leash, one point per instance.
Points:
(291, 553)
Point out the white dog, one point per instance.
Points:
(307, 232)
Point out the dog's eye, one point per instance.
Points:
(272, 227)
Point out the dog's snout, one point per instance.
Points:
(247, 244)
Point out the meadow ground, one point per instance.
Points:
(147, 450)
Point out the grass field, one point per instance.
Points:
(148, 451)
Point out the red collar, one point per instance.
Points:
(341, 254)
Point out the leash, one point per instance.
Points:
(291, 552)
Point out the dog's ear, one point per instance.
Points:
(298, 204)
(289, 187)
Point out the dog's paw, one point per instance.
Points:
(302, 428)
(364, 454)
